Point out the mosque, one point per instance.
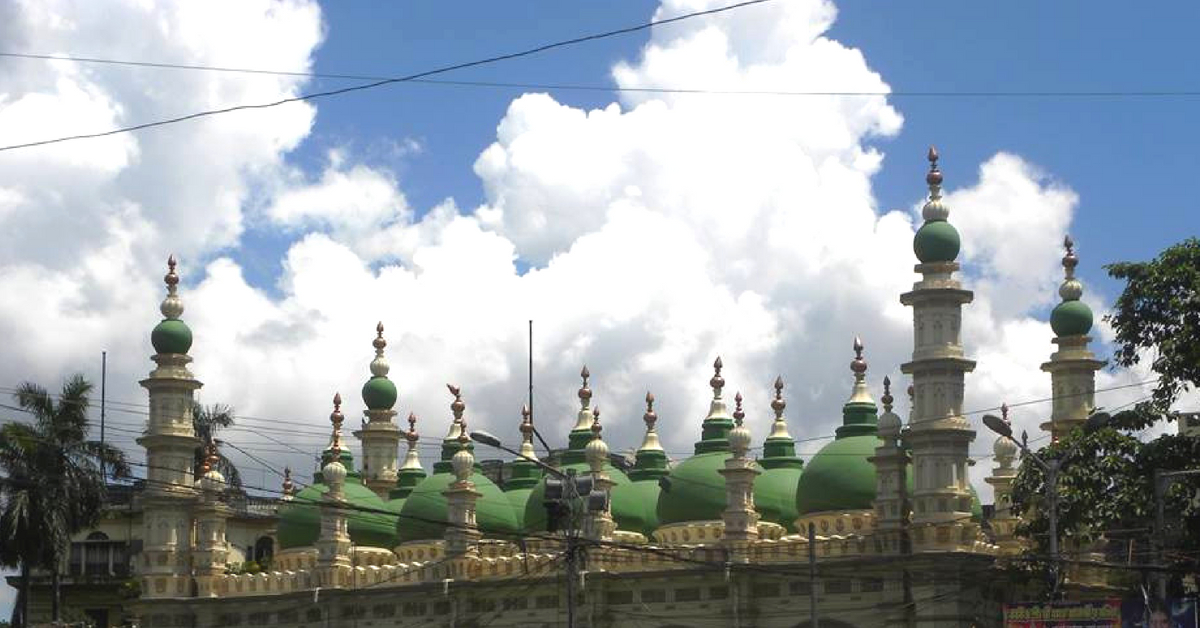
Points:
(879, 528)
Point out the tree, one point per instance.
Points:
(1107, 477)
(54, 486)
(207, 421)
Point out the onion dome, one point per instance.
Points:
(775, 487)
(624, 511)
(937, 240)
(171, 335)
(426, 510)
(695, 490)
(379, 393)
(1004, 447)
(524, 473)
(300, 518)
(650, 465)
(841, 476)
(1072, 317)
(411, 472)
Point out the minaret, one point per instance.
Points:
(380, 436)
(598, 524)
(1073, 367)
(462, 531)
(1003, 474)
(333, 545)
(650, 459)
(581, 434)
(170, 442)
(212, 550)
(524, 472)
(891, 471)
(939, 434)
(411, 472)
(715, 429)
(740, 517)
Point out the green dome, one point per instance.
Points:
(775, 495)
(171, 336)
(425, 510)
(300, 519)
(697, 490)
(1071, 318)
(840, 477)
(936, 241)
(518, 498)
(379, 393)
(624, 511)
(640, 503)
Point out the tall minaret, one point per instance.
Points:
(1003, 474)
(333, 544)
(740, 517)
(212, 549)
(598, 524)
(891, 471)
(170, 442)
(379, 435)
(939, 434)
(1073, 367)
(462, 530)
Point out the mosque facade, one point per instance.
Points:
(881, 527)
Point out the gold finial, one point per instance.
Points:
(934, 177)
(778, 404)
(650, 417)
(596, 423)
(738, 413)
(336, 419)
(1004, 411)
(717, 382)
(585, 393)
(526, 422)
(457, 406)
(859, 365)
(171, 278)
(1070, 260)
(463, 438)
(411, 435)
(379, 343)
(887, 394)
(288, 486)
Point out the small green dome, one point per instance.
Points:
(300, 519)
(697, 490)
(775, 495)
(624, 512)
(936, 241)
(171, 336)
(640, 505)
(518, 498)
(425, 510)
(379, 393)
(1071, 318)
(840, 477)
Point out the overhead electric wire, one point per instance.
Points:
(389, 81)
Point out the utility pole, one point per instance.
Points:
(1052, 468)
(910, 609)
(103, 385)
(572, 495)
(812, 575)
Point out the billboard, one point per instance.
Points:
(1063, 614)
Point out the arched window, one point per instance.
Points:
(264, 549)
(97, 536)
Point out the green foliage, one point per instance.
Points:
(1157, 317)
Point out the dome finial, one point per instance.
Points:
(289, 487)
(738, 414)
(596, 451)
(172, 306)
(457, 406)
(779, 427)
(596, 422)
(934, 210)
(336, 419)
(650, 417)
(585, 393)
(411, 434)
(858, 366)
(717, 382)
(887, 394)
(527, 433)
(412, 460)
(379, 366)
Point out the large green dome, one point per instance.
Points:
(300, 519)
(624, 511)
(171, 336)
(1071, 318)
(775, 495)
(936, 241)
(696, 490)
(840, 477)
(425, 510)
(639, 504)
(379, 393)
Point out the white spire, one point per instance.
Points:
(412, 460)
(379, 366)
(650, 442)
(779, 428)
(172, 306)
(583, 420)
(716, 408)
(527, 433)
(860, 393)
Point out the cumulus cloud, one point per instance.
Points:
(644, 238)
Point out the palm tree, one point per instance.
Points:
(207, 421)
(54, 486)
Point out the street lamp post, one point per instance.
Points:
(1051, 469)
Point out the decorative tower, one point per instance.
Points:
(462, 532)
(289, 487)
(599, 524)
(380, 436)
(333, 545)
(650, 459)
(740, 517)
(939, 434)
(212, 551)
(411, 472)
(775, 489)
(1003, 522)
(891, 477)
(170, 442)
(581, 434)
(1073, 367)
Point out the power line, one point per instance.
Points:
(617, 89)
(389, 81)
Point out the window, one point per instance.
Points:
(765, 589)
(687, 595)
(619, 597)
(797, 587)
(654, 596)
(481, 605)
(515, 603)
(837, 587)
(546, 601)
(718, 593)
(383, 610)
(413, 609)
(264, 550)
(872, 585)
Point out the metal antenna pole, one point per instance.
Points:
(535, 430)
(812, 574)
(103, 385)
